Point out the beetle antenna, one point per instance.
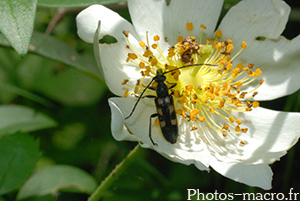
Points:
(189, 66)
(139, 98)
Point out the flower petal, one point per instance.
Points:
(279, 62)
(118, 128)
(137, 128)
(270, 134)
(170, 20)
(113, 56)
(252, 18)
(146, 17)
(277, 57)
(111, 23)
(252, 175)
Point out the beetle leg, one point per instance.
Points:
(152, 88)
(173, 85)
(153, 115)
(147, 96)
(139, 99)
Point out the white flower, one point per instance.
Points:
(218, 128)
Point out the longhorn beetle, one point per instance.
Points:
(164, 105)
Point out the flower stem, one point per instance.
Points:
(113, 176)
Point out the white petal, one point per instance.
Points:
(147, 17)
(252, 18)
(137, 128)
(170, 21)
(111, 23)
(113, 56)
(278, 59)
(279, 62)
(118, 128)
(198, 12)
(270, 134)
(252, 175)
(116, 69)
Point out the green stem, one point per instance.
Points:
(113, 176)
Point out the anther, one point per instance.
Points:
(219, 34)
(189, 26)
(202, 26)
(126, 33)
(244, 45)
(156, 38)
(201, 118)
(125, 81)
(126, 93)
(242, 143)
(255, 104)
(142, 44)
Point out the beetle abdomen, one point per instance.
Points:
(167, 118)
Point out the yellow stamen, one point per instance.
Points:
(231, 119)
(202, 26)
(219, 34)
(201, 118)
(189, 26)
(156, 38)
(244, 45)
(239, 122)
(125, 81)
(255, 104)
(179, 39)
(126, 93)
(142, 44)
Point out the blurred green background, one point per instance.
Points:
(77, 101)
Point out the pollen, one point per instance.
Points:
(124, 81)
(126, 93)
(219, 34)
(203, 26)
(242, 143)
(142, 65)
(190, 87)
(189, 26)
(201, 118)
(154, 46)
(179, 39)
(212, 110)
(239, 122)
(255, 104)
(231, 119)
(156, 38)
(193, 114)
(142, 44)
(244, 45)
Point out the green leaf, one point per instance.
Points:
(18, 91)
(59, 82)
(15, 118)
(16, 22)
(57, 50)
(52, 179)
(74, 3)
(18, 155)
(2, 199)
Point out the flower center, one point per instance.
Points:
(208, 87)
